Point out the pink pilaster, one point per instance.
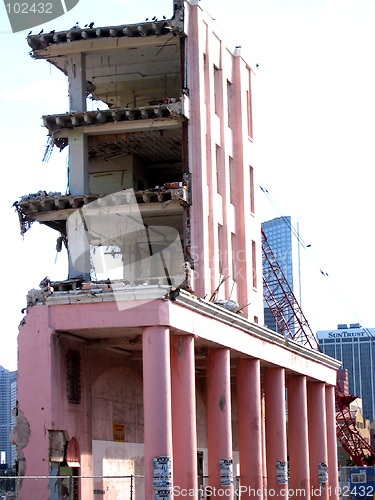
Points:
(242, 256)
(298, 436)
(317, 435)
(331, 443)
(184, 414)
(276, 448)
(249, 402)
(219, 430)
(157, 399)
(35, 400)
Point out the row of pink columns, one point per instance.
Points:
(170, 421)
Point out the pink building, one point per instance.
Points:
(156, 372)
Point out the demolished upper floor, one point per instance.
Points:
(126, 66)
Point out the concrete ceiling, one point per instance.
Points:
(133, 63)
(155, 147)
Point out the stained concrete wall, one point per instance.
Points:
(118, 459)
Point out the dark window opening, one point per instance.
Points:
(73, 366)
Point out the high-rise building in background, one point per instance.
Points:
(8, 397)
(13, 402)
(355, 347)
(284, 244)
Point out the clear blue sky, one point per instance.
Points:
(314, 129)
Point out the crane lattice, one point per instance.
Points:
(293, 324)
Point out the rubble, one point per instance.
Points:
(231, 305)
(31, 205)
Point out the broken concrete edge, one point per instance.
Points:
(19, 437)
(167, 108)
(77, 288)
(32, 204)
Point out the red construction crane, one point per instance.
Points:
(292, 324)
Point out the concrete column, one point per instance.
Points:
(298, 436)
(219, 429)
(156, 399)
(249, 404)
(77, 82)
(333, 480)
(276, 448)
(264, 454)
(78, 163)
(78, 245)
(316, 408)
(78, 184)
(184, 429)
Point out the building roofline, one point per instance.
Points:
(74, 34)
(180, 297)
(233, 319)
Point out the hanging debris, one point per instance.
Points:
(25, 222)
(49, 149)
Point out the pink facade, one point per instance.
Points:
(150, 400)
(140, 372)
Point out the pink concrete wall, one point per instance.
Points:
(43, 396)
(213, 140)
(197, 151)
(117, 396)
(35, 397)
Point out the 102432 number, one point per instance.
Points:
(27, 8)
(362, 491)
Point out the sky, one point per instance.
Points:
(314, 129)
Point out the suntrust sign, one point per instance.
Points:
(343, 334)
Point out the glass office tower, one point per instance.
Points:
(355, 347)
(284, 245)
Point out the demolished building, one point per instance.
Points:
(163, 373)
